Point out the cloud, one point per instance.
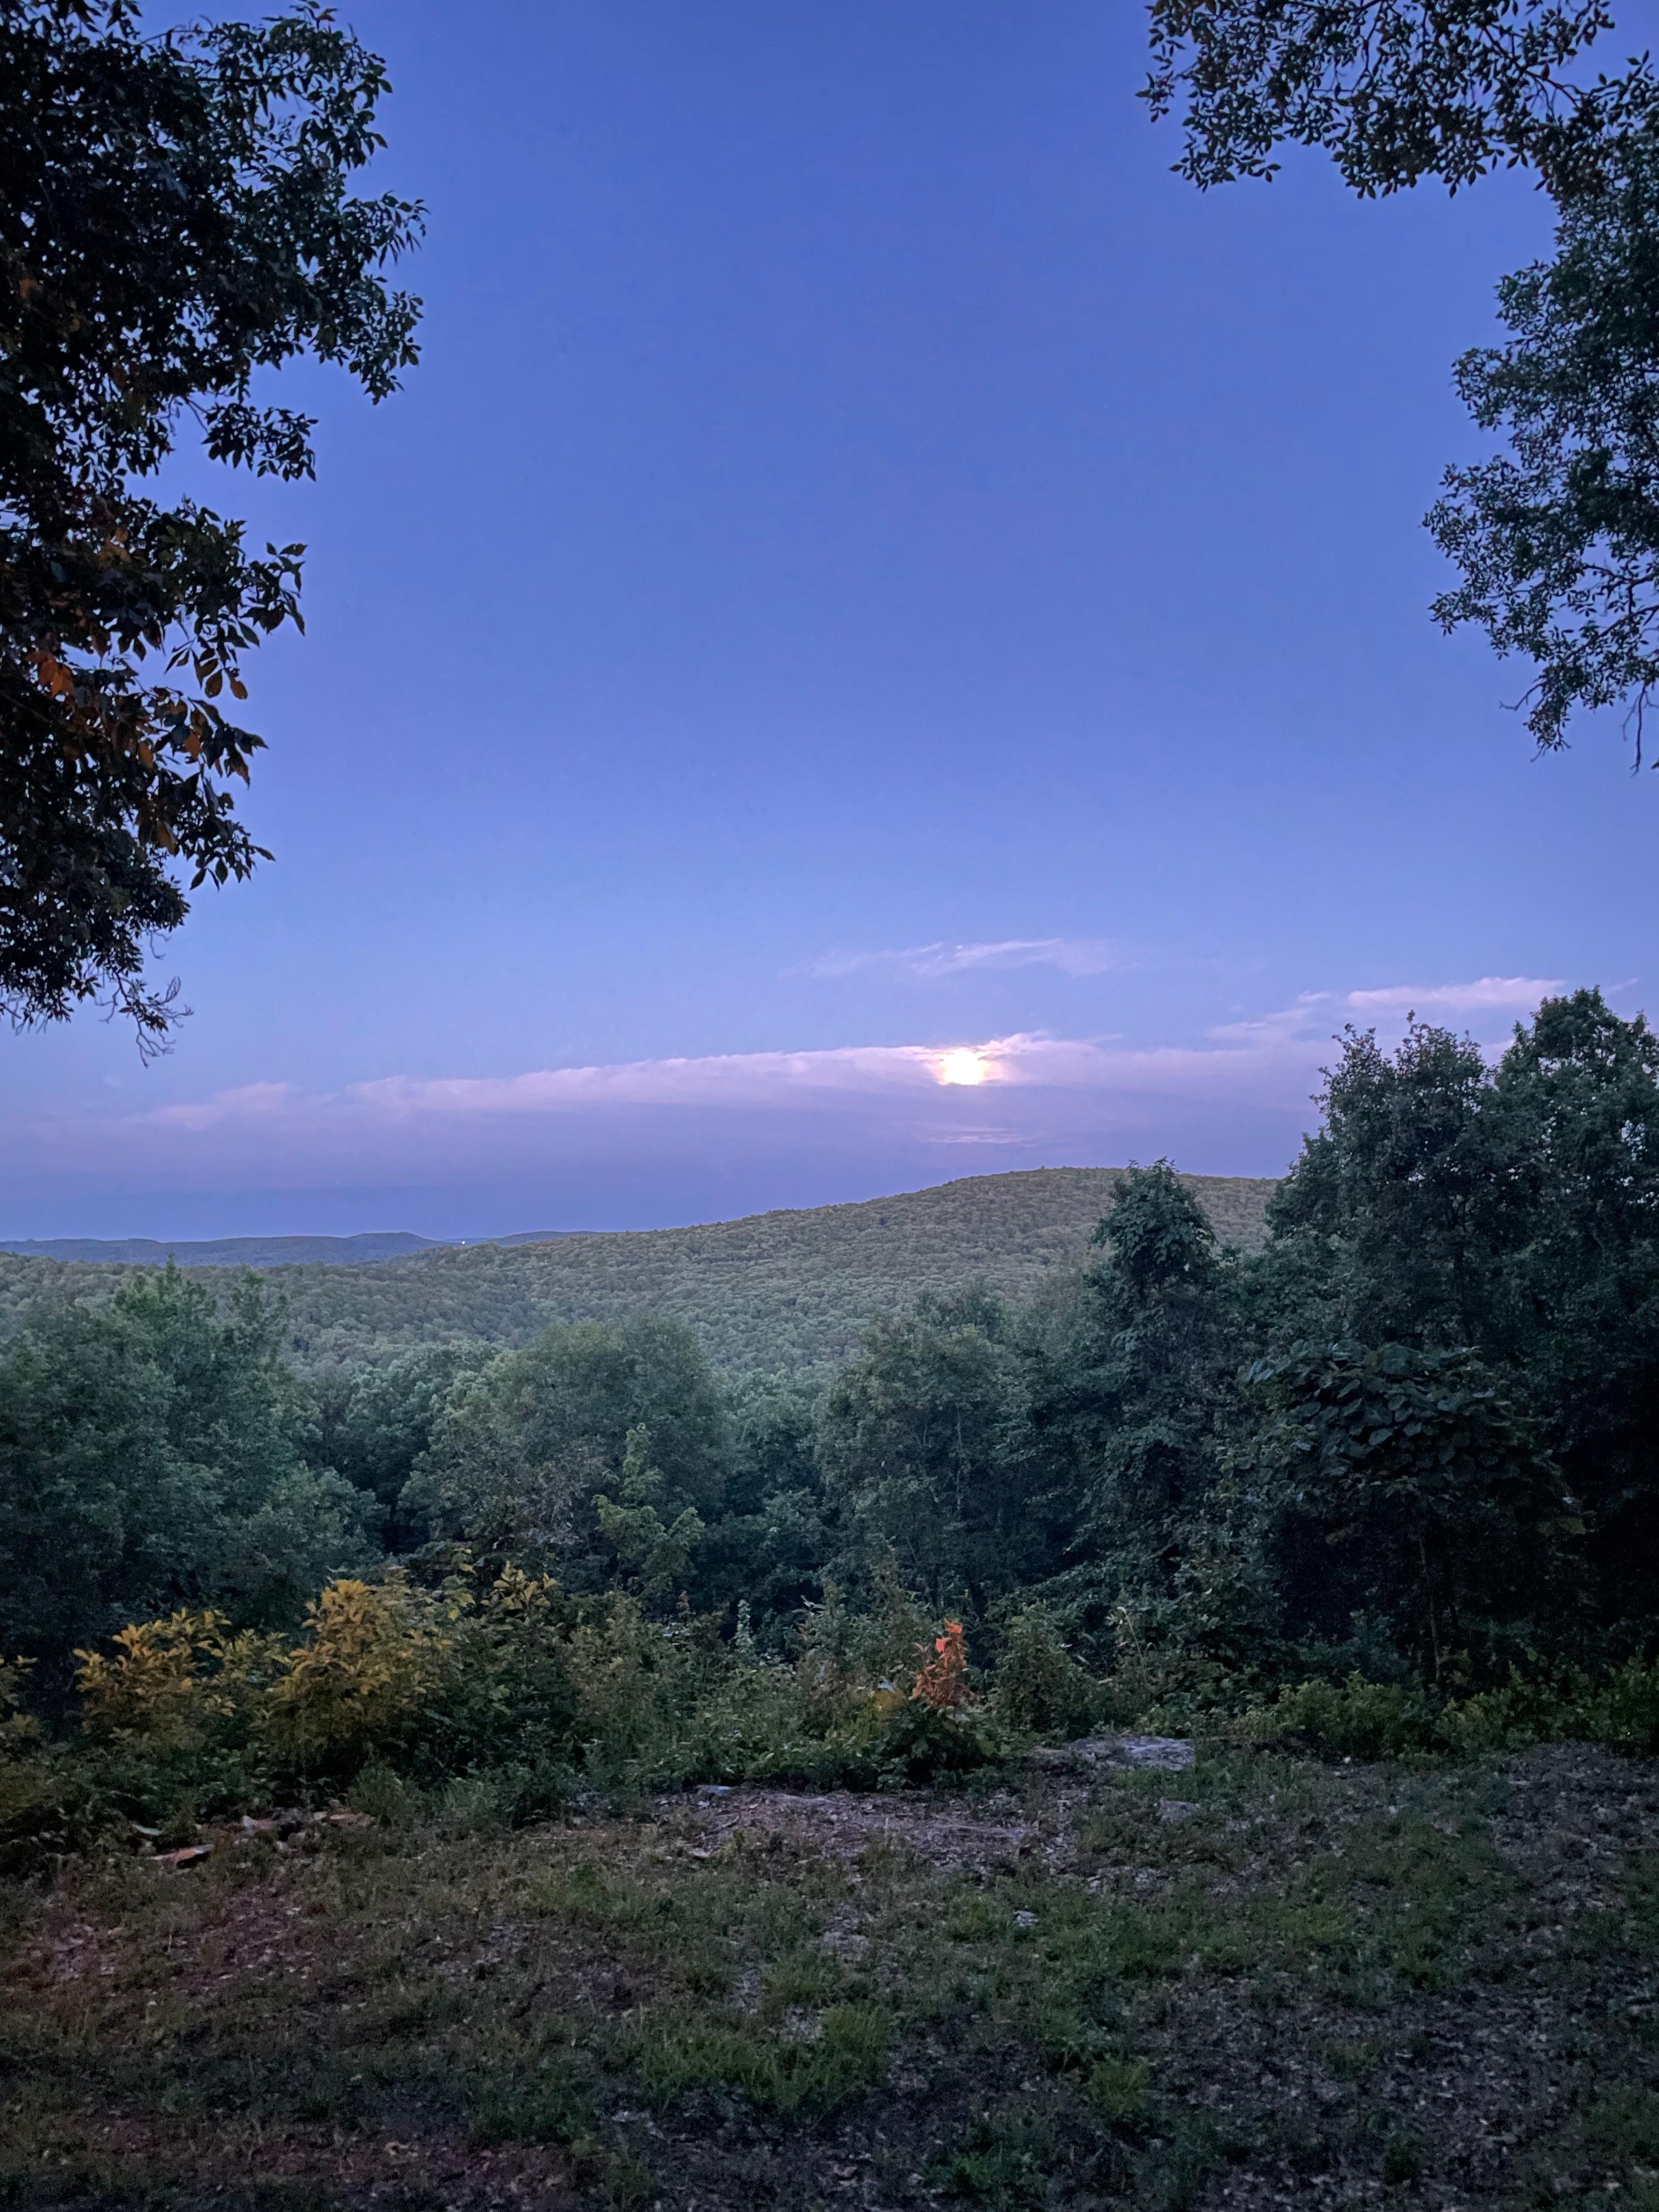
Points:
(250, 1102)
(761, 1125)
(1514, 994)
(1314, 1012)
(1056, 1097)
(1072, 956)
(729, 1080)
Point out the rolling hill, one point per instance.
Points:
(786, 1290)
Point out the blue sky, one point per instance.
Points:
(870, 565)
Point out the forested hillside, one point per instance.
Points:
(786, 1292)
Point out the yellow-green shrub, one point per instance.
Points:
(171, 1684)
(375, 1655)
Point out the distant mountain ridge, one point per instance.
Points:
(251, 1251)
(786, 1293)
(223, 1251)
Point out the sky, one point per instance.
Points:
(886, 639)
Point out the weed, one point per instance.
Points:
(1405, 2157)
(549, 2103)
(1003, 2159)
(1119, 2090)
(673, 2057)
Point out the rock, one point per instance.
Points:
(844, 1943)
(1173, 1809)
(1025, 1920)
(1171, 1754)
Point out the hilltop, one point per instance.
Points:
(783, 1290)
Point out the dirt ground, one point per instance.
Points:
(1249, 1981)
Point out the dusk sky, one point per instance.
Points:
(875, 581)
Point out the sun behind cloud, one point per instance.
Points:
(962, 1065)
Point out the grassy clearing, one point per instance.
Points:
(1344, 1984)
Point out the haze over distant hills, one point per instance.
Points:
(223, 1251)
(788, 1291)
(249, 1251)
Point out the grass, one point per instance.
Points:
(1438, 1986)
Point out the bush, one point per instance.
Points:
(1362, 1719)
(1623, 1711)
(1040, 1686)
(1355, 1719)
(495, 1704)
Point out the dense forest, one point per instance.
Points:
(788, 1291)
(1394, 1471)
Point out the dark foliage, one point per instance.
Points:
(1556, 539)
(1514, 1211)
(1394, 90)
(1411, 1466)
(1411, 1441)
(174, 219)
(154, 1455)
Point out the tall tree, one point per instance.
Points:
(1428, 1493)
(174, 219)
(1557, 540)
(520, 1448)
(1130, 1368)
(921, 1439)
(1513, 1211)
(154, 1453)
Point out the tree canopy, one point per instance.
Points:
(154, 1455)
(1396, 91)
(1557, 539)
(175, 220)
(1412, 1433)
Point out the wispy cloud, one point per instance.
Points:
(1237, 1096)
(1512, 995)
(1313, 1011)
(1071, 955)
(721, 1080)
(1054, 1097)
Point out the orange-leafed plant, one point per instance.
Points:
(943, 1682)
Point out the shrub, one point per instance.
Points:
(1039, 1684)
(846, 1655)
(1362, 1719)
(1624, 1710)
(20, 1732)
(943, 1680)
(375, 1657)
(898, 1740)
(173, 1685)
(1356, 1719)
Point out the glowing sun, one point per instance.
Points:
(962, 1066)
